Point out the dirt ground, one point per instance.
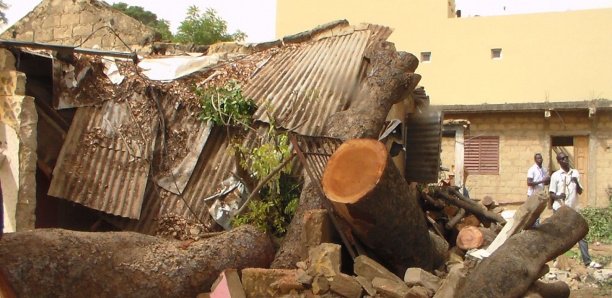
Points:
(587, 286)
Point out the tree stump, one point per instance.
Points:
(390, 79)
(372, 197)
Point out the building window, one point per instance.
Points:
(481, 155)
(496, 53)
(425, 56)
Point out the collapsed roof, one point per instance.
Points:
(136, 148)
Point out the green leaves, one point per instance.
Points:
(274, 211)
(205, 28)
(146, 17)
(226, 105)
(600, 223)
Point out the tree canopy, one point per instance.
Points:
(205, 28)
(146, 17)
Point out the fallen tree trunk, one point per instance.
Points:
(540, 289)
(390, 79)
(514, 266)
(362, 182)
(62, 263)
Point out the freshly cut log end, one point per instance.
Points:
(354, 170)
(470, 237)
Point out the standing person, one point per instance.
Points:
(537, 176)
(564, 190)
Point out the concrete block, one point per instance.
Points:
(420, 277)
(44, 35)
(370, 269)
(390, 288)
(51, 21)
(366, 284)
(62, 32)
(317, 229)
(320, 285)
(259, 282)
(346, 286)
(418, 292)
(324, 260)
(69, 19)
(82, 30)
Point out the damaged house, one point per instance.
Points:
(116, 142)
(126, 140)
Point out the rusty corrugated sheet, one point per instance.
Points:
(302, 83)
(423, 143)
(304, 86)
(215, 165)
(105, 161)
(183, 141)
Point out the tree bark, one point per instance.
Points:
(370, 194)
(125, 264)
(482, 213)
(556, 289)
(514, 266)
(390, 78)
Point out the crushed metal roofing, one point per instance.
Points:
(116, 160)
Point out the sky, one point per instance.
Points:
(257, 18)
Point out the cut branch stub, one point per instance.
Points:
(368, 191)
(354, 170)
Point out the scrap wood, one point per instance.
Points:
(524, 218)
(475, 209)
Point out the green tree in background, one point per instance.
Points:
(146, 17)
(205, 28)
(3, 8)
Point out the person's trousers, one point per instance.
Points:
(584, 252)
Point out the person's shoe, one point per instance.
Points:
(595, 265)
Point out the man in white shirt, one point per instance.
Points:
(537, 176)
(564, 190)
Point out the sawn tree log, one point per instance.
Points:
(516, 265)
(362, 182)
(390, 79)
(125, 264)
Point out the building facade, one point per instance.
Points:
(526, 83)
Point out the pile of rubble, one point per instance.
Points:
(460, 273)
(320, 275)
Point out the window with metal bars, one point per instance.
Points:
(481, 155)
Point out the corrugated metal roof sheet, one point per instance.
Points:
(302, 83)
(304, 86)
(214, 166)
(423, 144)
(105, 161)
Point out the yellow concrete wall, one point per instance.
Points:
(522, 135)
(561, 56)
